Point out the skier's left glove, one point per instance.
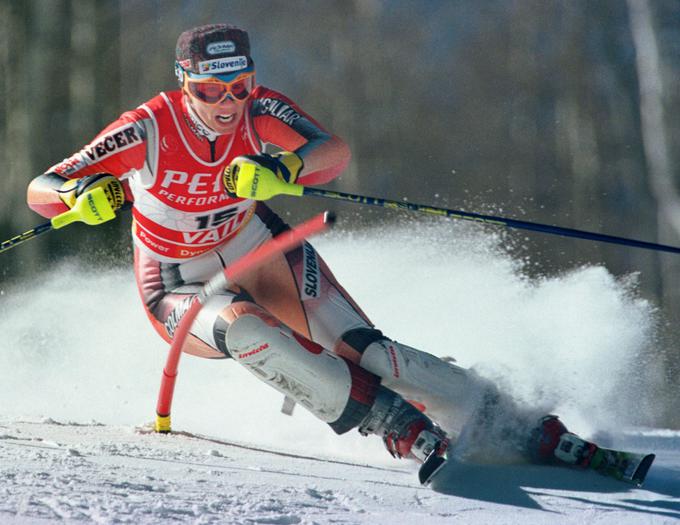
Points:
(270, 169)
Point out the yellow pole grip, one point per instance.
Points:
(92, 208)
(64, 219)
(253, 184)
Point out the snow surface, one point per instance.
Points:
(80, 369)
(108, 473)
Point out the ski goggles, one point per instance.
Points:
(212, 90)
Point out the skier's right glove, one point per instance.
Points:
(72, 189)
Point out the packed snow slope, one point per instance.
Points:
(80, 369)
(53, 471)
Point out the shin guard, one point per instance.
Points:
(330, 387)
(409, 371)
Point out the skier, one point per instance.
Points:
(289, 322)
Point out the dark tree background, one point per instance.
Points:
(544, 110)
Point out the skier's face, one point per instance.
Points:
(220, 105)
(222, 118)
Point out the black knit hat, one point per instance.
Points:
(217, 49)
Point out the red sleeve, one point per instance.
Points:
(278, 120)
(118, 149)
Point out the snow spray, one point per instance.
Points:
(76, 345)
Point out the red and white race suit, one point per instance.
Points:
(291, 312)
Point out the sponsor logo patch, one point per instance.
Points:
(311, 278)
(394, 361)
(70, 166)
(93, 207)
(176, 316)
(218, 48)
(222, 65)
(113, 142)
(254, 351)
(229, 180)
(278, 109)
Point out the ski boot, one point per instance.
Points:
(407, 432)
(435, 460)
(551, 442)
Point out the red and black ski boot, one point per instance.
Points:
(407, 432)
(551, 442)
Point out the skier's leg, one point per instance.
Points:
(167, 290)
(491, 425)
(331, 387)
(494, 427)
(302, 292)
(416, 375)
(299, 289)
(308, 298)
(453, 395)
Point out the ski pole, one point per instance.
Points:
(92, 210)
(247, 178)
(279, 244)
(26, 236)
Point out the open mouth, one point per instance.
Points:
(225, 119)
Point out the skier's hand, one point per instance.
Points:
(73, 189)
(266, 172)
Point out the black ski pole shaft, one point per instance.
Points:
(486, 219)
(92, 210)
(26, 236)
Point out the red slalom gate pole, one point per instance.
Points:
(279, 244)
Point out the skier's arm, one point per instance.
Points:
(279, 121)
(117, 150)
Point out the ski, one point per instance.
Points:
(631, 467)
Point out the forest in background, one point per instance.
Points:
(542, 110)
